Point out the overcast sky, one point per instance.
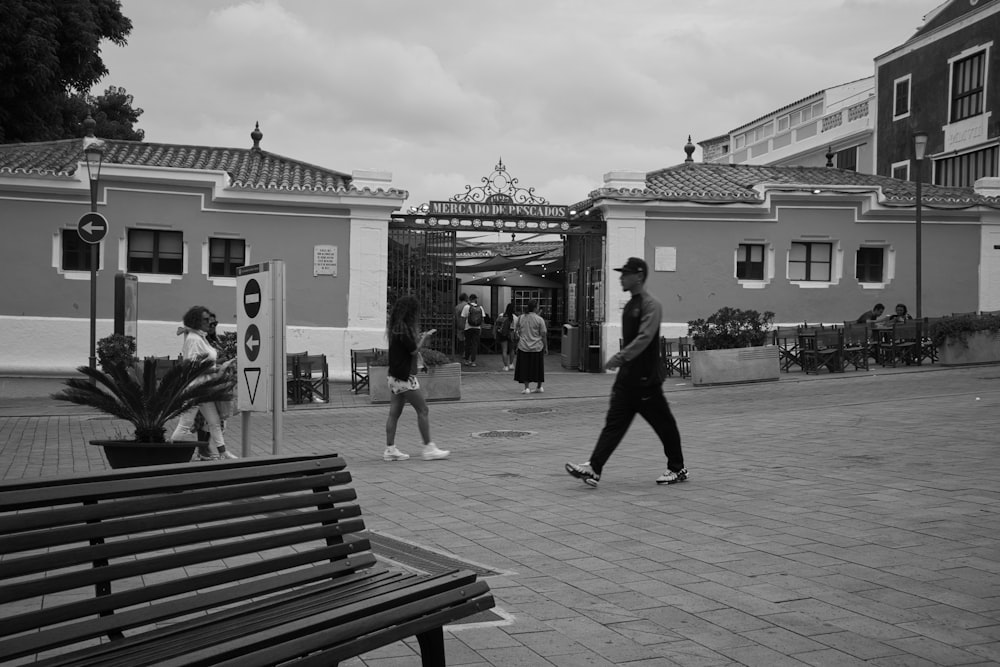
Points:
(436, 91)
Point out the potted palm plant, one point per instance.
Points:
(117, 390)
(730, 347)
(440, 377)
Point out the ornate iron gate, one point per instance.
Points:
(421, 263)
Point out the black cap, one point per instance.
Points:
(635, 265)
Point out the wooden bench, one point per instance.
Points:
(242, 563)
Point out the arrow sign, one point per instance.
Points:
(92, 227)
(251, 341)
(251, 298)
(252, 378)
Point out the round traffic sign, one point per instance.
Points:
(251, 342)
(251, 298)
(92, 227)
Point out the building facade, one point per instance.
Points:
(811, 244)
(945, 82)
(182, 218)
(833, 126)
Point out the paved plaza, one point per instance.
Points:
(849, 519)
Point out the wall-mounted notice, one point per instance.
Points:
(325, 260)
(665, 259)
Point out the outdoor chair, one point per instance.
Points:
(819, 348)
(926, 349)
(855, 349)
(360, 361)
(312, 378)
(291, 373)
(787, 341)
(900, 345)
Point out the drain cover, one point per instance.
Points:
(502, 434)
(528, 411)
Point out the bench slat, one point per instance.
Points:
(69, 489)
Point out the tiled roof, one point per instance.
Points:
(248, 168)
(734, 183)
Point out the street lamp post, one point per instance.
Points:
(95, 156)
(919, 149)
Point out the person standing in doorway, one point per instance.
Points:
(463, 301)
(404, 353)
(472, 315)
(504, 329)
(532, 346)
(638, 387)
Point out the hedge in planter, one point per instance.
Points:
(729, 347)
(966, 339)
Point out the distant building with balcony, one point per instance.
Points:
(833, 126)
(944, 82)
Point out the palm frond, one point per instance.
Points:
(120, 393)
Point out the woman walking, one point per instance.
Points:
(197, 322)
(404, 351)
(532, 346)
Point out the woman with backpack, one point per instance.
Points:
(505, 335)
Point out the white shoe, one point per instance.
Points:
(226, 454)
(539, 390)
(432, 453)
(393, 454)
(526, 391)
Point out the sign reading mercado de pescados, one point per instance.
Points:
(492, 210)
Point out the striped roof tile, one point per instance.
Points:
(248, 168)
(735, 183)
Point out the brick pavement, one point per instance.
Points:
(830, 520)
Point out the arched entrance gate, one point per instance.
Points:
(423, 248)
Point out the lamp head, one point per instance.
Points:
(919, 145)
(94, 154)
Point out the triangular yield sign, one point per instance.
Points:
(252, 377)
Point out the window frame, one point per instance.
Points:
(227, 259)
(836, 262)
(974, 95)
(766, 262)
(902, 164)
(896, 113)
(58, 250)
(967, 164)
(844, 152)
(156, 252)
(888, 264)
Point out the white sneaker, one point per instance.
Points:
(526, 391)
(540, 390)
(226, 454)
(432, 453)
(393, 454)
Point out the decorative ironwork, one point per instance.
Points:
(499, 187)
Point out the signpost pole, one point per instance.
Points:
(280, 377)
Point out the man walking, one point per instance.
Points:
(472, 316)
(638, 387)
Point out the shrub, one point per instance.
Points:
(431, 358)
(116, 349)
(960, 326)
(731, 328)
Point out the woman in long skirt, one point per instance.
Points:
(532, 346)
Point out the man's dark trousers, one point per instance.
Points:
(626, 403)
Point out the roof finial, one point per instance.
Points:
(689, 149)
(89, 124)
(829, 156)
(256, 135)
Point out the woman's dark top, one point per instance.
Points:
(402, 361)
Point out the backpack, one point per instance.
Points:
(475, 316)
(503, 326)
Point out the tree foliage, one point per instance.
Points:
(50, 56)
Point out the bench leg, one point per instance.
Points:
(432, 648)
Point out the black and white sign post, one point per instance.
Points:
(260, 332)
(92, 229)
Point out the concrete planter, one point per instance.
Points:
(440, 383)
(747, 364)
(983, 348)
